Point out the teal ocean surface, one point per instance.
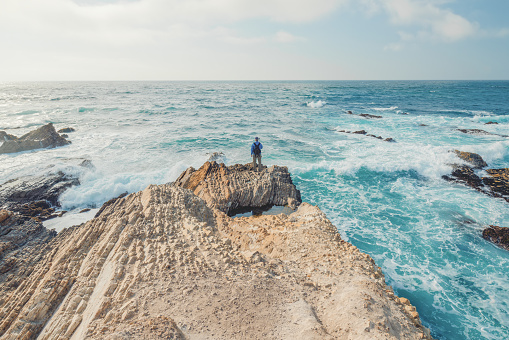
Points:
(387, 198)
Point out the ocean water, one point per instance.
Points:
(386, 198)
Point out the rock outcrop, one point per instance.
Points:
(472, 158)
(43, 137)
(497, 235)
(4, 136)
(496, 184)
(66, 130)
(165, 263)
(237, 186)
(364, 132)
(35, 196)
(365, 115)
(479, 132)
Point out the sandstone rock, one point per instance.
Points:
(4, 214)
(474, 159)
(237, 186)
(43, 137)
(497, 235)
(66, 130)
(165, 263)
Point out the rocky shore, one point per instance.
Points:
(168, 262)
(44, 137)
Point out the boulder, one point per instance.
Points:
(474, 159)
(497, 235)
(43, 137)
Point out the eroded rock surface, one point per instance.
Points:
(237, 186)
(165, 263)
(497, 235)
(34, 196)
(43, 137)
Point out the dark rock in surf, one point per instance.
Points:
(43, 137)
(34, 196)
(361, 132)
(365, 115)
(66, 130)
(497, 235)
(496, 184)
(391, 140)
(490, 122)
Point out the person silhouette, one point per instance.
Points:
(256, 152)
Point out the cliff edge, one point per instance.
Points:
(168, 262)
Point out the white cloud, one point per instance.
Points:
(432, 21)
(285, 37)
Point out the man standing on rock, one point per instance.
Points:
(256, 152)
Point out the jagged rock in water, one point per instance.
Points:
(498, 181)
(237, 186)
(497, 235)
(479, 132)
(163, 263)
(66, 130)
(43, 137)
(490, 122)
(496, 184)
(4, 136)
(28, 194)
(363, 132)
(474, 159)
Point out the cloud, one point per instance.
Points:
(431, 21)
(285, 37)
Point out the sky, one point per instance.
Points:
(87, 40)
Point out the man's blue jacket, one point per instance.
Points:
(252, 147)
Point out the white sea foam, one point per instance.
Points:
(392, 108)
(317, 104)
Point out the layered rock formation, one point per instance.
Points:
(43, 137)
(168, 262)
(235, 187)
(35, 196)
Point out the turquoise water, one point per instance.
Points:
(388, 199)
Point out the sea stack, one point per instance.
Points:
(168, 262)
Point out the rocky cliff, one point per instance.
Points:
(168, 262)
